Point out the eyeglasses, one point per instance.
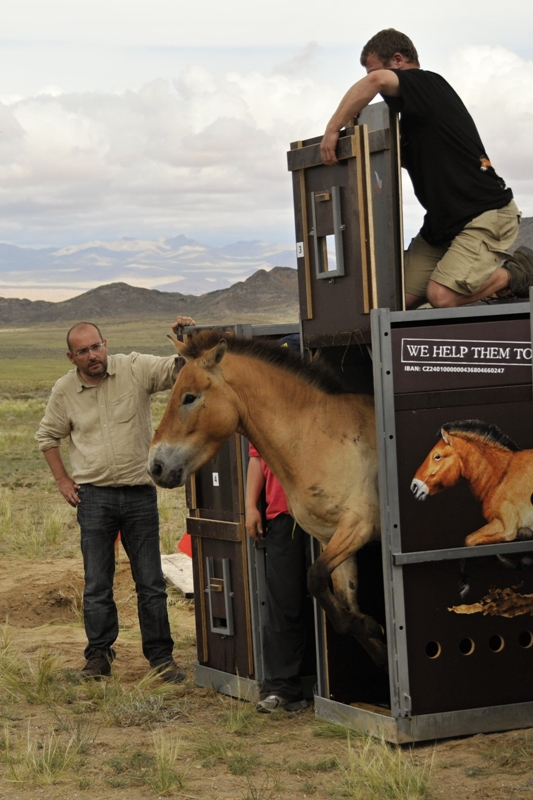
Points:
(94, 348)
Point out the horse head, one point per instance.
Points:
(199, 418)
(440, 470)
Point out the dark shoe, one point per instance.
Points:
(274, 702)
(519, 265)
(170, 672)
(98, 665)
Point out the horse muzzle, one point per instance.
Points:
(166, 468)
(419, 489)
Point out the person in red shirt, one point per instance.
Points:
(287, 561)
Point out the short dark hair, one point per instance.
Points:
(387, 42)
(81, 325)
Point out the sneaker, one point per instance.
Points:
(98, 665)
(169, 671)
(519, 265)
(273, 702)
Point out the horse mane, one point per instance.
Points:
(316, 372)
(476, 430)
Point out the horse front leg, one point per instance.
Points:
(491, 533)
(337, 564)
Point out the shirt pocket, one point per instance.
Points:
(124, 408)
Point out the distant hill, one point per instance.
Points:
(273, 293)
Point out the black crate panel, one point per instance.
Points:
(459, 661)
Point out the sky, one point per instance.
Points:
(154, 119)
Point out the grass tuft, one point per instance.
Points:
(35, 683)
(515, 757)
(166, 776)
(378, 771)
(239, 716)
(266, 790)
(330, 730)
(147, 702)
(243, 763)
(210, 749)
(41, 761)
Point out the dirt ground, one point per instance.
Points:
(228, 751)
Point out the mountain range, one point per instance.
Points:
(169, 265)
(242, 279)
(264, 295)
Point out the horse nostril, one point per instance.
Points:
(157, 469)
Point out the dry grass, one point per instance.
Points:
(376, 770)
(141, 738)
(39, 760)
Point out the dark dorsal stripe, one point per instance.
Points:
(316, 373)
(475, 429)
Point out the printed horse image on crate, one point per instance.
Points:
(500, 476)
(318, 440)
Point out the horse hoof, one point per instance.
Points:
(508, 563)
(377, 650)
(524, 533)
(464, 588)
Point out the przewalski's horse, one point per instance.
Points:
(316, 438)
(500, 477)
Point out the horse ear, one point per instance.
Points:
(212, 357)
(181, 347)
(445, 436)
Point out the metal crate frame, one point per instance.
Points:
(398, 725)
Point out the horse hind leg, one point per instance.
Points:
(341, 605)
(364, 628)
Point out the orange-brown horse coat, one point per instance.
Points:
(321, 446)
(500, 477)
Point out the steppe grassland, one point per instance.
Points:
(133, 736)
(34, 519)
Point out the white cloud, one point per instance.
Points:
(204, 153)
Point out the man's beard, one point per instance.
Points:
(91, 370)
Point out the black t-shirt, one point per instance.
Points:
(444, 156)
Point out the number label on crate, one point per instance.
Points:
(300, 250)
(215, 479)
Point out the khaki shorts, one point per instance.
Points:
(469, 260)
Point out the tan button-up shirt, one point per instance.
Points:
(109, 425)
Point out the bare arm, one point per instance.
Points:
(255, 480)
(181, 322)
(382, 81)
(65, 484)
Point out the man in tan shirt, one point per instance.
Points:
(103, 407)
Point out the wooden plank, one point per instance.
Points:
(309, 156)
(305, 240)
(216, 529)
(177, 570)
(362, 203)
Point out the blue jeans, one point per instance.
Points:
(132, 510)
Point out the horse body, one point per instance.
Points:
(500, 478)
(321, 446)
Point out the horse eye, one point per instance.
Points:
(188, 399)
(437, 457)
